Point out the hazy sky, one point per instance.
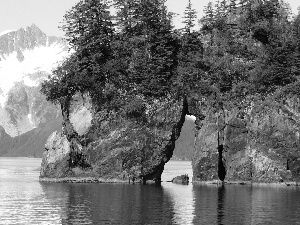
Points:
(47, 14)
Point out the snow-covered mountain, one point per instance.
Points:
(27, 57)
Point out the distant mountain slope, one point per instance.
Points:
(27, 57)
(184, 146)
(27, 39)
(5, 141)
(29, 144)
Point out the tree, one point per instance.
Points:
(61, 85)
(154, 50)
(139, 58)
(296, 38)
(232, 6)
(86, 23)
(189, 70)
(89, 32)
(272, 29)
(125, 14)
(190, 15)
(207, 20)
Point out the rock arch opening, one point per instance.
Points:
(184, 145)
(181, 161)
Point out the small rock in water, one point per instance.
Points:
(183, 179)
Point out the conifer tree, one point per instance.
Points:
(125, 14)
(208, 19)
(190, 55)
(89, 32)
(253, 49)
(232, 6)
(190, 15)
(154, 58)
(296, 38)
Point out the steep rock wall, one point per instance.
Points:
(114, 145)
(55, 159)
(261, 147)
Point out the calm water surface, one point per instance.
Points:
(23, 200)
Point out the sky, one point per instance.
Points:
(48, 14)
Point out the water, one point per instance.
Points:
(23, 200)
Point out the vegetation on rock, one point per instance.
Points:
(245, 54)
(243, 50)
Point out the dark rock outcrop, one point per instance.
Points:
(183, 179)
(114, 145)
(260, 147)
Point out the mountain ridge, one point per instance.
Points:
(27, 57)
(23, 39)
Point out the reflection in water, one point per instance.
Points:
(110, 203)
(122, 203)
(205, 204)
(183, 199)
(246, 205)
(23, 200)
(280, 204)
(170, 204)
(221, 204)
(69, 203)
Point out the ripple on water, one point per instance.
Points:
(23, 200)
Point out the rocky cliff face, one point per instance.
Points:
(261, 147)
(110, 145)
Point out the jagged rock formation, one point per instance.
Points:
(25, 39)
(109, 145)
(263, 147)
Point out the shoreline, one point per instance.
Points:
(209, 183)
(248, 183)
(81, 180)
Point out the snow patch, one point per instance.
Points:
(190, 117)
(30, 120)
(41, 58)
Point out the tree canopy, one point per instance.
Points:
(244, 50)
